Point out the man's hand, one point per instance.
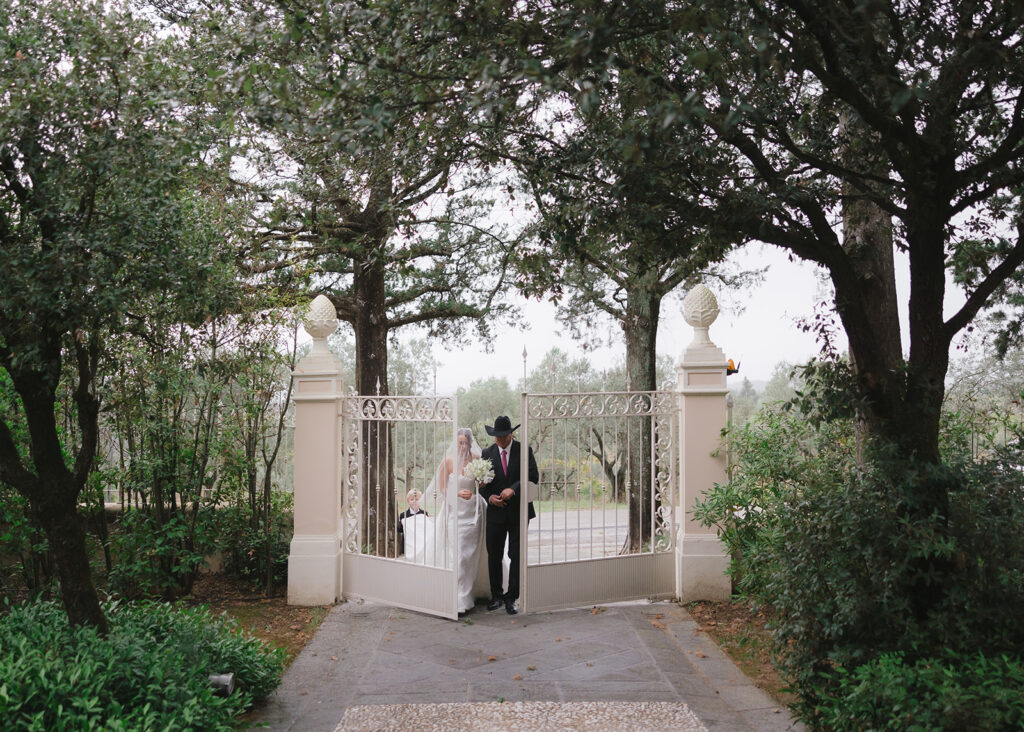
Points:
(507, 494)
(496, 501)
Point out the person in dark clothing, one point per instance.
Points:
(503, 508)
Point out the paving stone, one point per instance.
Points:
(515, 691)
(772, 721)
(688, 683)
(397, 662)
(719, 671)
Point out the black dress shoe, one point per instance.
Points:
(495, 603)
(510, 607)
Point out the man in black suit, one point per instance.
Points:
(502, 496)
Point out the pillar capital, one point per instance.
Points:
(320, 320)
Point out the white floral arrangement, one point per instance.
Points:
(479, 470)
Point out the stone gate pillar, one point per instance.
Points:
(701, 557)
(314, 561)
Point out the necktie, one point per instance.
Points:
(504, 461)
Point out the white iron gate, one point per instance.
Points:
(391, 446)
(606, 510)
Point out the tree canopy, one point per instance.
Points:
(101, 157)
(368, 192)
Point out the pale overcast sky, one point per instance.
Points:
(764, 333)
(761, 335)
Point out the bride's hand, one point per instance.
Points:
(465, 493)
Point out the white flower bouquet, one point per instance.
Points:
(479, 470)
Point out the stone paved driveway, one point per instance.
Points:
(637, 666)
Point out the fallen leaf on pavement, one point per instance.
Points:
(492, 658)
(518, 677)
(659, 625)
(700, 654)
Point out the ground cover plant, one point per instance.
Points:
(150, 672)
(884, 615)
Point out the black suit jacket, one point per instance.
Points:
(508, 514)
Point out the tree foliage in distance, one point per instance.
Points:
(99, 166)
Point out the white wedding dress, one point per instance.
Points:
(430, 540)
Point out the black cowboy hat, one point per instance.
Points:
(502, 426)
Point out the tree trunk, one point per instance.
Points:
(53, 493)
(371, 335)
(904, 398)
(66, 535)
(371, 329)
(640, 326)
(868, 242)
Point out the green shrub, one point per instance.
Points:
(150, 673)
(154, 559)
(852, 563)
(978, 693)
(774, 456)
(245, 548)
(859, 570)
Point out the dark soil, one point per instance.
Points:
(740, 631)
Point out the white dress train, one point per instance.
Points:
(427, 538)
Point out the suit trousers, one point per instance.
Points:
(496, 534)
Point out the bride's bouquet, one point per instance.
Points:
(479, 470)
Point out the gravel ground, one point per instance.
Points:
(523, 717)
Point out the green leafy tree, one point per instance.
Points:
(800, 94)
(369, 196)
(938, 97)
(599, 166)
(98, 168)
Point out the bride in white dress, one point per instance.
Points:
(430, 540)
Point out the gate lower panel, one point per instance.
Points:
(420, 588)
(600, 581)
